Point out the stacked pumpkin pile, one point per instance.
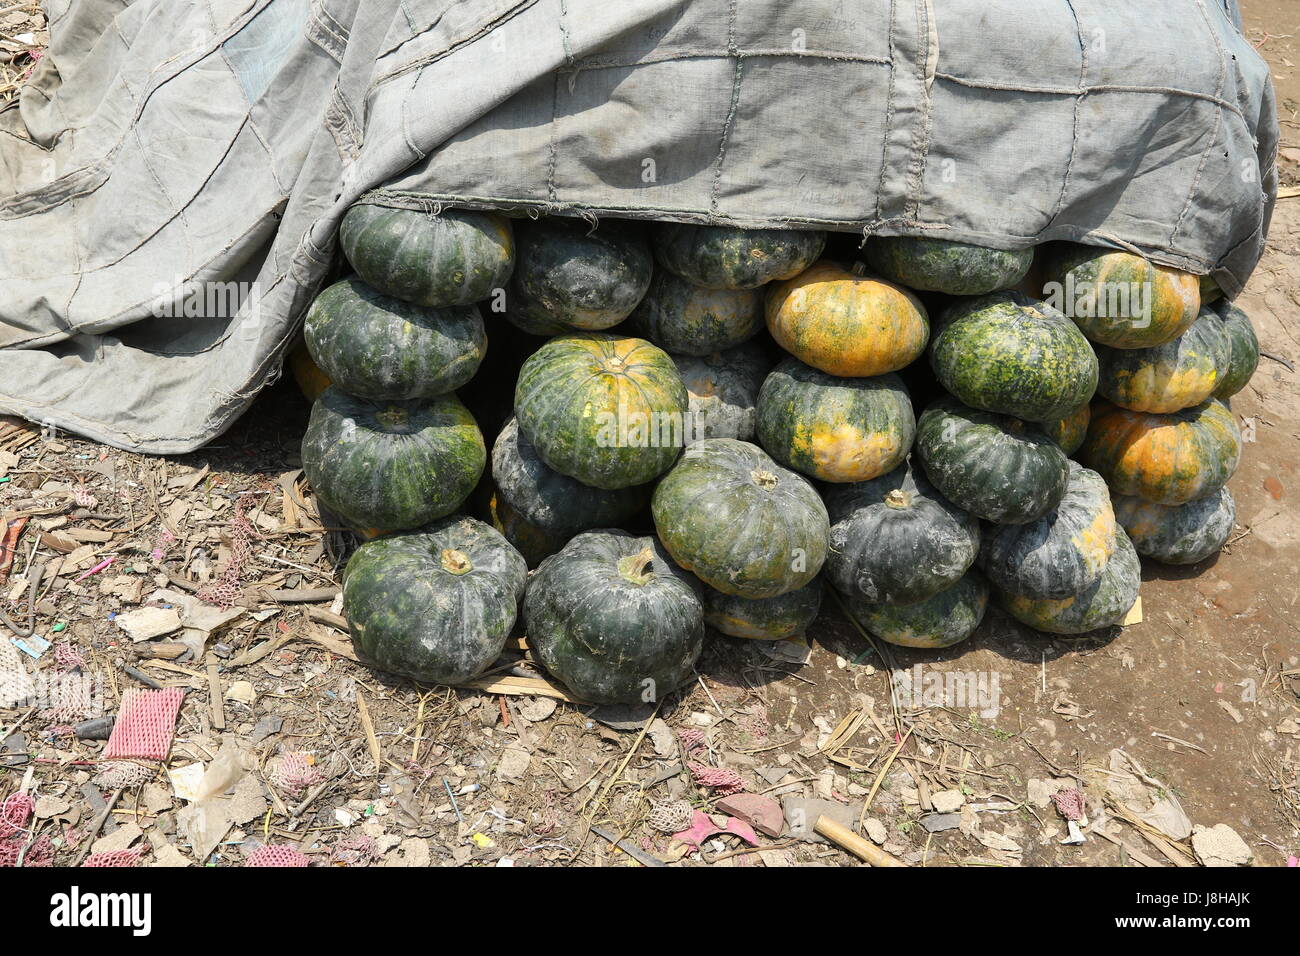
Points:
(750, 467)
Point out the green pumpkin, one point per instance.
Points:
(1210, 291)
(722, 391)
(1061, 553)
(455, 258)
(1013, 355)
(377, 347)
(723, 257)
(687, 319)
(437, 604)
(996, 467)
(1178, 374)
(536, 544)
(939, 621)
(1103, 603)
(941, 265)
(1178, 534)
(1243, 349)
(614, 619)
(391, 465)
(766, 619)
(896, 539)
(835, 429)
(570, 277)
(1070, 430)
(552, 501)
(606, 410)
(739, 521)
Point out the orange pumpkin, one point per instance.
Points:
(311, 380)
(1168, 459)
(846, 323)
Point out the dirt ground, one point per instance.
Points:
(1189, 718)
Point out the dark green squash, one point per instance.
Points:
(1061, 553)
(391, 465)
(766, 619)
(941, 265)
(1210, 291)
(437, 604)
(378, 347)
(1243, 349)
(996, 467)
(722, 391)
(1180, 373)
(554, 502)
(835, 429)
(896, 539)
(614, 619)
(1070, 430)
(606, 410)
(534, 543)
(1178, 534)
(570, 277)
(455, 258)
(941, 620)
(1103, 603)
(1013, 355)
(739, 521)
(723, 257)
(687, 319)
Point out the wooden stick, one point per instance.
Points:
(846, 839)
(97, 826)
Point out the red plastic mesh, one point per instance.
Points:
(721, 779)
(145, 725)
(128, 857)
(1069, 803)
(15, 812)
(294, 773)
(225, 588)
(40, 853)
(276, 856)
(691, 738)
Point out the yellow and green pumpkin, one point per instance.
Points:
(834, 429)
(1071, 429)
(1104, 603)
(1121, 299)
(724, 257)
(1180, 373)
(605, 409)
(1168, 458)
(764, 619)
(845, 323)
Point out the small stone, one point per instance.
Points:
(947, 801)
(876, 831)
(513, 763)
(938, 822)
(801, 816)
(146, 623)
(535, 709)
(1220, 846)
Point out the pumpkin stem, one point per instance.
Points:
(898, 498)
(637, 568)
(763, 478)
(394, 416)
(456, 562)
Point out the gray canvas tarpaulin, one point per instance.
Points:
(172, 177)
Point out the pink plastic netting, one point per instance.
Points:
(127, 857)
(276, 856)
(145, 725)
(721, 779)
